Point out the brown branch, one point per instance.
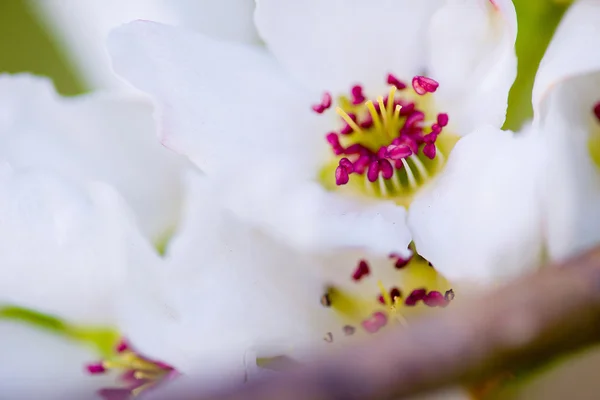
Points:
(528, 322)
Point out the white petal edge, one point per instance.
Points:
(571, 51)
(224, 282)
(221, 104)
(41, 364)
(302, 214)
(62, 246)
(103, 137)
(81, 26)
(472, 55)
(480, 221)
(569, 130)
(331, 45)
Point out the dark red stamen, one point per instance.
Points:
(341, 176)
(357, 95)
(398, 152)
(415, 296)
(430, 150)
(435, 299)
(400, 261)
(375, 322)
(373, 172)
(324, 104)
(423, 85)
(395, 293)
(442, 119)
(361, 271)
(95, 368)
(392, 80)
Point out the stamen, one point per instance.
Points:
(357, 95)
(423, 85)
(348, 118)
(349, 330)
(326, 300)
(374, 115)
(442, 119)
(385, 144)
(400, 261)
(375, 322)
(361, 271)
(392, 80)
(137, 373)
(328, 337)
(324, 104)
(449, 296)
(415, 297)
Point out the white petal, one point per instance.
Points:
(301, 213)
(82, 26)
(219, 103)
(225, 290)
(472, 55)
(39, 364)
(480, 221)
(570, 52)
(62, 246)
(96, 137)
(572, 186)
(331, 45)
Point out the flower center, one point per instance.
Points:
(136, 373)
(594, 140)
(390, 146)
(387, 305)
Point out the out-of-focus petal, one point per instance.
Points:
(221, 104)
(571, 51)
(41, 365)
(472, 55)
(81, 27)
(62, 245)
(331, 45)
(224, 290)
(480, 221)
(102, 137)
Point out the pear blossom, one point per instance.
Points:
(309, 239)
(84, 189)
(541, 184)
(325, 140)
(80, 27)
(566, 124)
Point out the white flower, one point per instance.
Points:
(80, 27)
(278, 255)
(71, 173)
(566, 98)
(244, 115)
(535, 194)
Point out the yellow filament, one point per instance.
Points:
(137, 391)
(147, 375)
(384, 114)
(397, 112)
(374, 115)
(386, 296)
(348, 120)
(390, 100)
